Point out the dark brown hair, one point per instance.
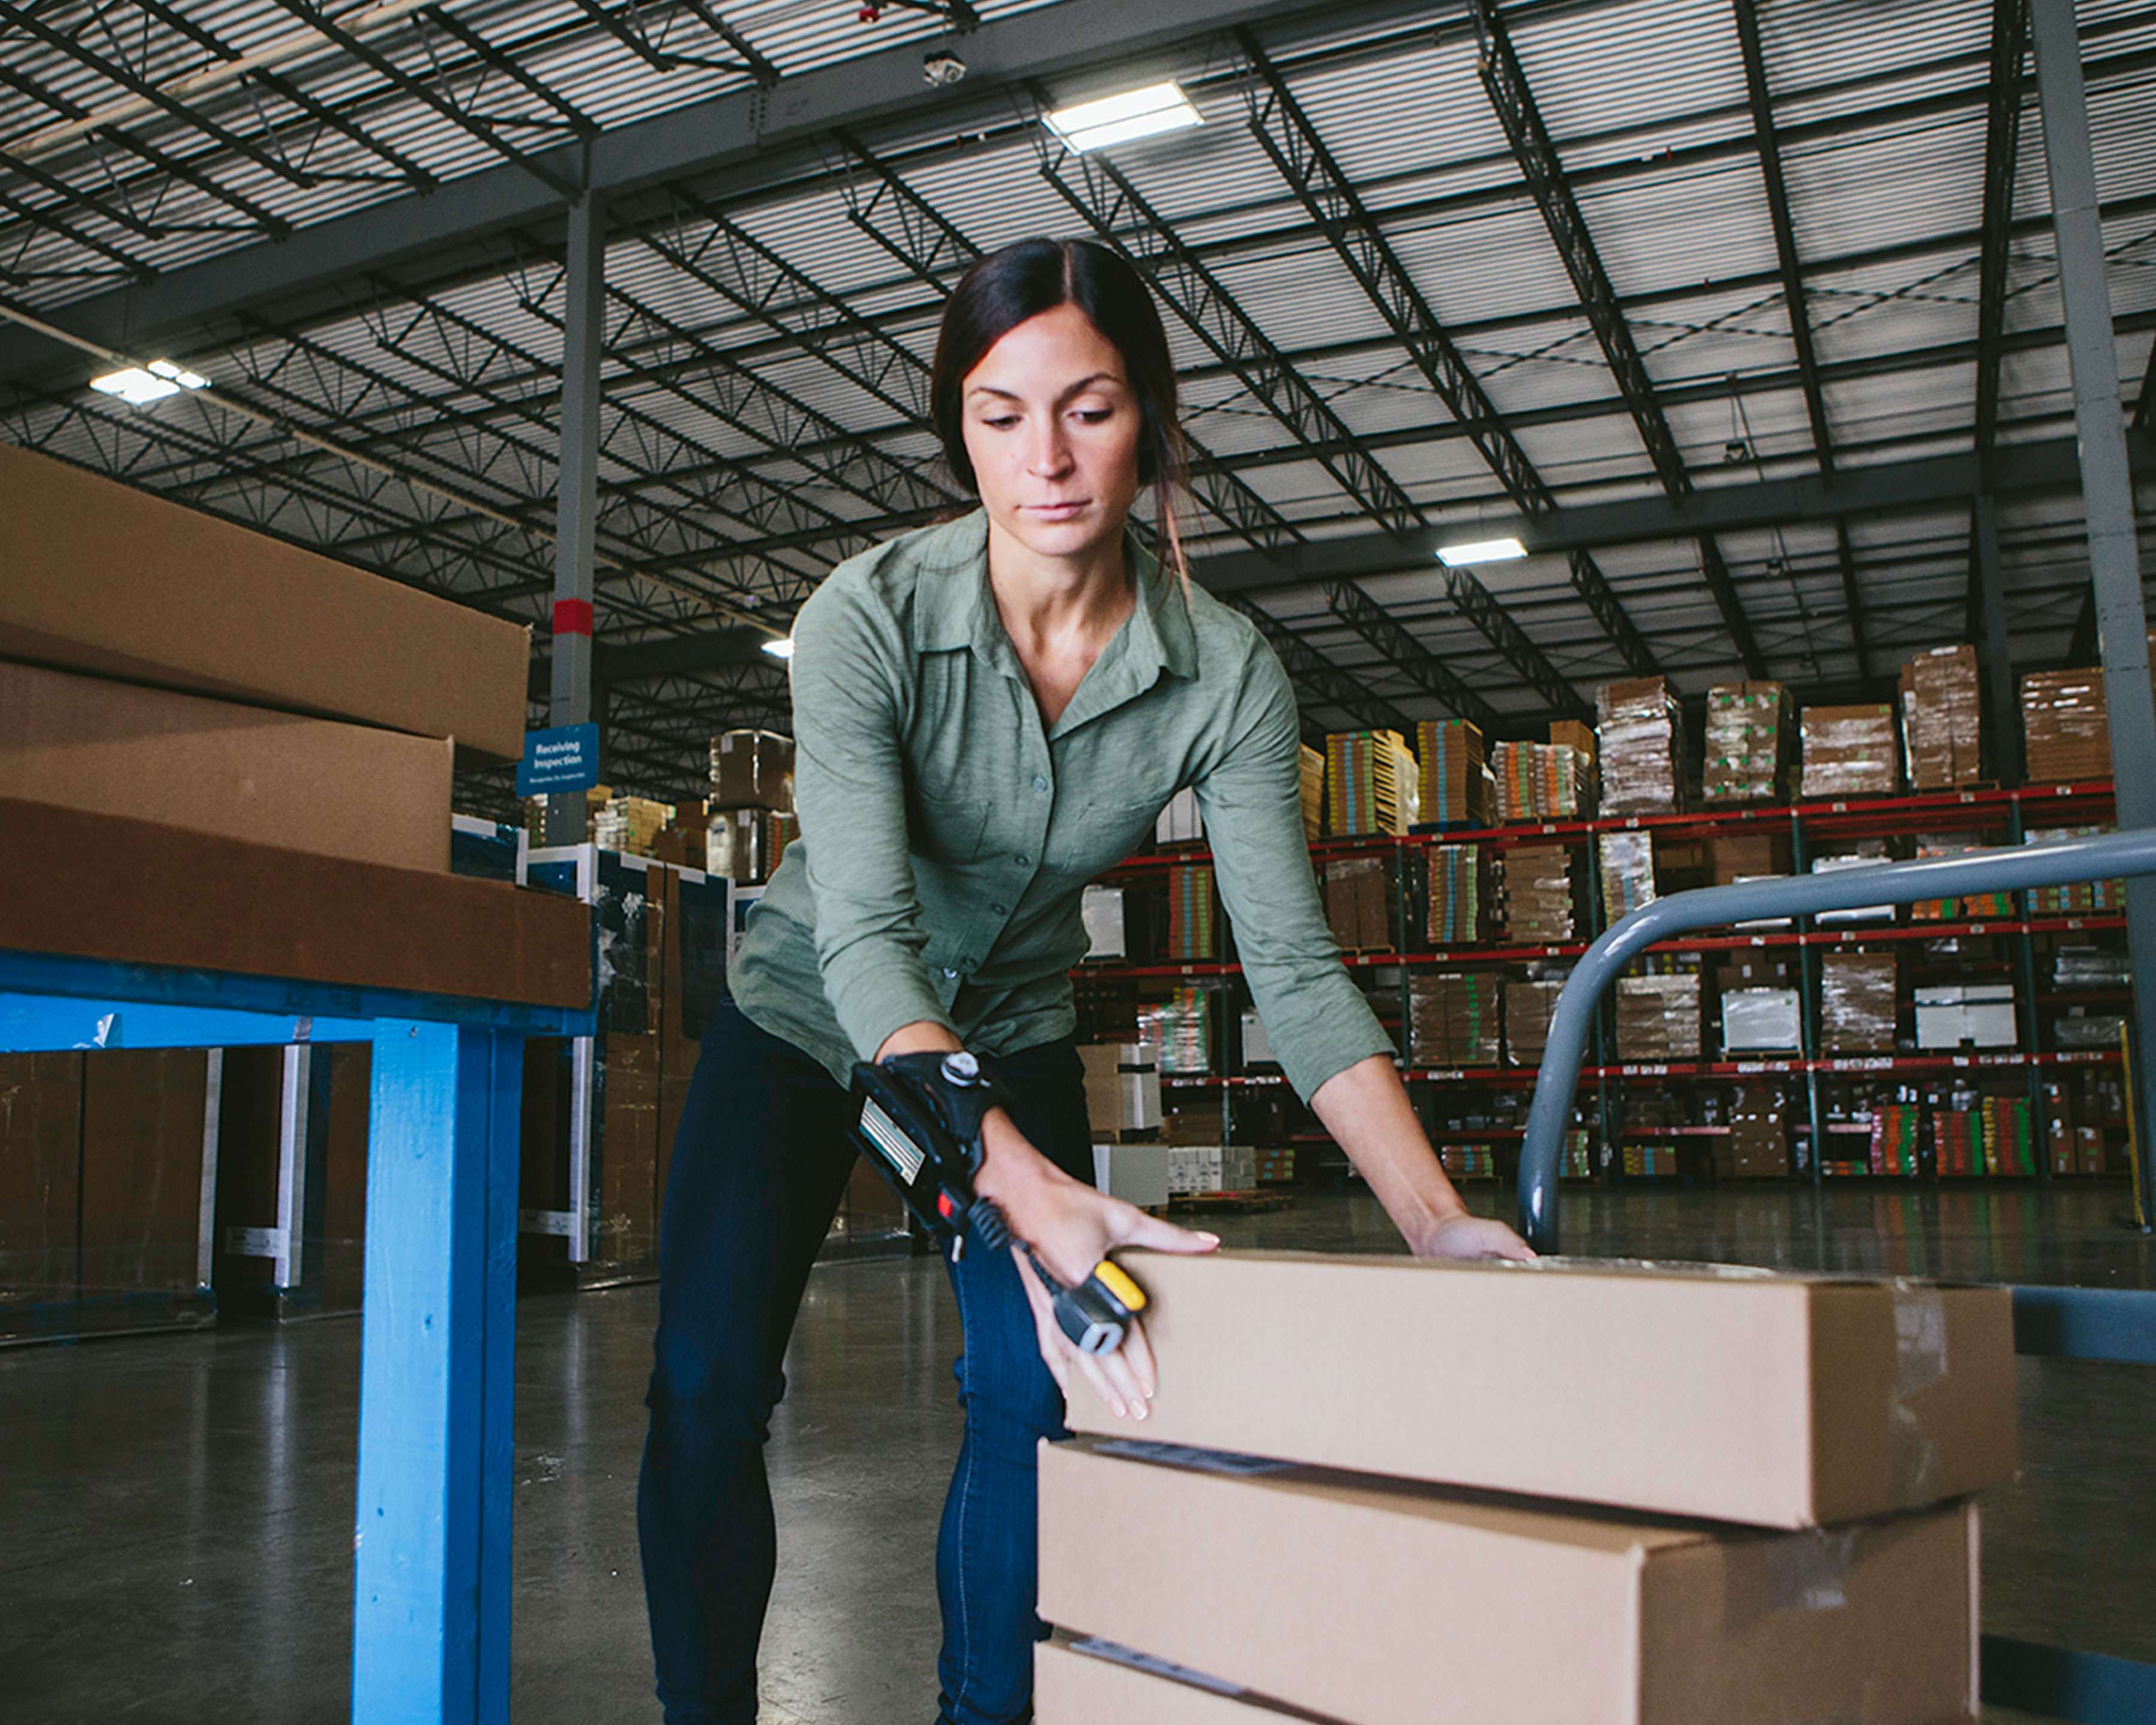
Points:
(1007, 287)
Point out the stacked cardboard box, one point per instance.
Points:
(1181, 1028)
(1358, 903)
(1978, 1014)
(2008, 1144)
(1749, 737)
(1311, 786)
(1454, 1019)
(1469, 1161)
(1539, 899)
(1761, 1021)
(1658, 1017)
(1105, 912)
(1650, 1162)
(752, 769)
(1373, 1562)
(1851, 751)
(745, 845)
(1527, 1008)
(1628, 872)
(1455, 893)
(2065, 724)
(1538, 781)
(1857, 1007)
(1942, 710)
(1122, 1089)
(1756, 1146)
(1191, 923)
(1179, 821)
(1970, 906)
(1894, 1138)
(1372, 783)
(1455, 772)
(630, 825)
(2079, 898)
(1638, 730)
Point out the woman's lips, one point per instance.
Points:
(1056, 511)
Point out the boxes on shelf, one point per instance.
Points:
(1658, 1017)
(1628, 872)
(1136, 1174)
(1732, 857)
(1179, 822)
(1756, 1146)
(1454, 1019)
(1198, 1120)
(274, 778)
(745, 845)
(1455, 772)
(1527, 1008)
(752, 769)
(1191, 923)
(1864, 1398)
(1851, 751)
(1181, 1029)
(1639, 730)
(1104, 910)
(1895, 1129)
(2066, 725)
(1371, 1564)
(2079, 1027)
(631, 825)
(1975, 906)
(1762, 1021)
(1857, 1004)
(1538, 897)
(104, 579)
(1122, 1088)
(1372, 783)
(1748, 745)
(1650, 1162)
(1538, 781)
(1257, 1046)
(1455, 893)
(1358, 903)
(1468, 1162)
(1311, 788)
(1942, 718)
(1866, 853)
(1981, 1015)
(1193, 1168)
(2079, 898)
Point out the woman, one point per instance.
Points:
(987, 713)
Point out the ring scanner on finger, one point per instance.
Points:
(919, 1124)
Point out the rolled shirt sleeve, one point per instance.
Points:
(849, 683)
(1316, 1018)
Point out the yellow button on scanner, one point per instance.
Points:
(1112, 1277)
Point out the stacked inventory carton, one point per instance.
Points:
(1977, 1014)
(1646, 1161)
(1122, 1089)
(1179, 821)
(1851, 751)
(1756, 1146)
(1190, 919)
(1857, 1006)
(1748, 744)
(1628, 872)
(1455, 773)
(1969, 906)
(1894, 1138)
(630, 825)
(1455, 893)
(1358, 903)
(1181, 1028)
(1658, 1017)
(1371, 782)
(1454, 1020)
(1310, 785)
(751, 819)
(2065, 722)
(1942, 709)
(1638, 730)
(2080, 898)
(165, 665)
(1538, 900)
(1761, 1021)
(1539, 781)
(1527, 1008)
(1442, 1481)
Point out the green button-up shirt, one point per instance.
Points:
(946, 834)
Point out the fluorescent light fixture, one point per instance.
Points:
(1115, 119)
(139, 385)
(780, 647)
(1482, 551)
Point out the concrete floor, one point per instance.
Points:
(178, 1533)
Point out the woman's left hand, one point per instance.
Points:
(1462, 1236)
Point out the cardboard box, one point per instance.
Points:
(1858, 1397)
(1179, 822)
(1136, 1174)
(1851, 751)
(1108, 935)
(102, 578)
(215, 767)
(1942, 718)
(1762, 1021)
(1980, 1014)
(752, 769)
(1122, 1088)
(1092, 1683)
(1641, 738)
(1858, 1011)
(1364, 1599)
(1358, 904)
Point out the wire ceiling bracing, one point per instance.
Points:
(1594, 266)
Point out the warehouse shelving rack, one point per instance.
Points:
(1812, 827)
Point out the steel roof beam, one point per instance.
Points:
(1480, 607)
(2002, 136)
(1716, 573)
(1392, 642)
(1325, 681)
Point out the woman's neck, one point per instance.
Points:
(1058, 612)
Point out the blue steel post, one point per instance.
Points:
(431, 1610)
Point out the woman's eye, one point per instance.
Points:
(1002, 422)
(1094, 416)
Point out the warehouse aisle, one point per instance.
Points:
(178, 1507)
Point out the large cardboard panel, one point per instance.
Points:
(217, 766)
(163, 895)
(40, 1128)
(142, 1172)
(98, 577)
(1362, 1600)
(1074, 1685)
(1734, 1394)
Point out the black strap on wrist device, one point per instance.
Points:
(919, 1124)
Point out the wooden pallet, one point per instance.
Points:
(1229, 1204)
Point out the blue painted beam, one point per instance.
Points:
(32, 1023)
(431, 1612)
(2058, 1683)
(2086, 1323)
(97, 979)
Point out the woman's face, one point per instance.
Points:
(1053, 429)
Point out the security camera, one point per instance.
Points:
(942, 66)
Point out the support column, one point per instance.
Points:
(577, 492)
(2002, 711)
(2107, 495)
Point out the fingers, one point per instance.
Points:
(1124, 1379)
(1132, 1226)
(1054, 1350)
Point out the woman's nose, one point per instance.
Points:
(1049, 450)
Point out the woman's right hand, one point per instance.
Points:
(1071, 1228)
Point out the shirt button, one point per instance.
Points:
(1022, 858)
(1041, 787)
(950, 973)
(995, 909)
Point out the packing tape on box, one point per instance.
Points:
(1805, 1570)
(1194, 1459)
(1920, 1361)
(1120, 1655)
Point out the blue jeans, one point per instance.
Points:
(761, 1160)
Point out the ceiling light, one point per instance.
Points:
(940, 66)
(1115, 119)
(1482, 551)
(780, 647)
(139, 385)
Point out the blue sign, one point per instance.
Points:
(566, 759)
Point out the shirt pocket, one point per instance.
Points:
(945, 829)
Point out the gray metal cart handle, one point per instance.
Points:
(2111, 856)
